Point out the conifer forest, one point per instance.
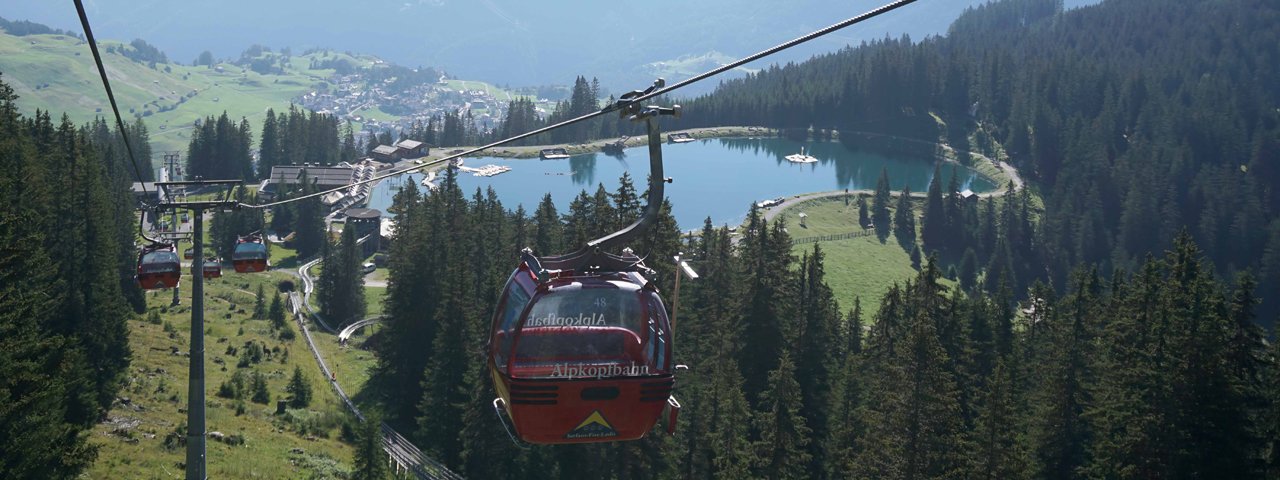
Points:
(1110, 315)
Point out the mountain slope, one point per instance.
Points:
(504, 41)
(57, 73)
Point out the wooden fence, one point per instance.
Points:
(832, 237)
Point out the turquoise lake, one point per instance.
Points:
(716, 178)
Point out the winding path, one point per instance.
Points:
(407, 457)
(346, 333)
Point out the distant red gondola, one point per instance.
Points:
(250, 254)
(212, 268)
(158, 267)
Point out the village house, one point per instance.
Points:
(412, 149)
(386, 153)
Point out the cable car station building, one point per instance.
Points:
(322, 177)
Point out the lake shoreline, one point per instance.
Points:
(997, 172)
(597, 146)
(719, 178)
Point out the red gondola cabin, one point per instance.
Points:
(212, 268)
(250, 255)
(580, 359)
(158, 267)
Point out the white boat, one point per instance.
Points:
(801, 157)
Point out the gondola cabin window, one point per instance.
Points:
(513, 304)
(576, 331)
(159, 262)
(250, 251)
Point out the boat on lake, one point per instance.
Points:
(801, 157)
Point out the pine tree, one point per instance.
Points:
(276, 312)
(340, 288)
(912, 413)
(768, 301)
(1165, 405)
(968, 270)
(880, 206)
(547, 230)
(1062, 335)
(998, 454)
(818, 340)
(625, 201)
(847, 396)
(259, 304)
(369, 462)
(259, 387)
(299, 389)
(442, 396)
(309, 226)
(933, 221)
(579, 221)
(904, 220)
(1269, 418)
(864, 219)
(782, 450)
(268, 145)
(487, 452)
(728, 423)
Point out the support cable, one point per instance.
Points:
(102, 71)
(635, 98)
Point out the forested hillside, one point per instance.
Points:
(1112, 334)
(66, 287)
(1115, 363)
(1134, 120)
(1161, 373)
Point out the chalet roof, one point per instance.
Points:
(320, 175)
(967, 193)
(384, 150)
(409, 144)
(364, 213)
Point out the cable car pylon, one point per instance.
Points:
(196, 439)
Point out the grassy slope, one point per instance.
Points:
(857, 267)
(74, 86)
(157, 396)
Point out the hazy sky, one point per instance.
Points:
(519, 42)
